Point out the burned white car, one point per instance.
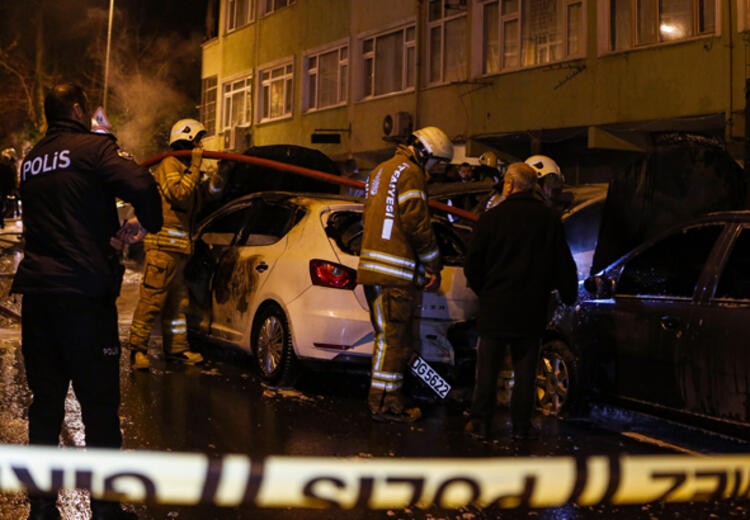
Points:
(274, 273)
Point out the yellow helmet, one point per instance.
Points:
(488, 159)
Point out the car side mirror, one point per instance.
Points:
(599, 286)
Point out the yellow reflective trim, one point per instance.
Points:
(390, 271)
(411, 194)
(389, 259)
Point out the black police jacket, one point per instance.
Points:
(69, 182)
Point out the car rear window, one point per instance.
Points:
(345, 228)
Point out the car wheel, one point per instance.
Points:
(272, 346)
(556, 378)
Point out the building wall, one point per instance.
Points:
(691, 78)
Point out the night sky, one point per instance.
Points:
(155, 63)
(174, 16)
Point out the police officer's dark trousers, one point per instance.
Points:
(68, 338)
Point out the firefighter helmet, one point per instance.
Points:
(488, 159)
(186, 130)
(543, 165)
(9, 154)
(433, 143)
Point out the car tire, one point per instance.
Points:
(272, 347)
(556, 379)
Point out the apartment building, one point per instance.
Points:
(588, 82)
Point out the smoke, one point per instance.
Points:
(154, 80)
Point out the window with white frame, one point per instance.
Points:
(326, 77)
(270, 6)
(447, 41)
(275, 92)
(389, 62)
(633, 23)
(525, 33)
(236, 102)
(239, 13)
(208, 104)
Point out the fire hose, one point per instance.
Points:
(300, 170)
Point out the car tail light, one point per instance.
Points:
(329, 274)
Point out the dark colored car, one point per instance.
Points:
(662, 328)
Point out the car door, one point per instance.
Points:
(242, 271)
(214, 240)
(638, 333)
(716, 379)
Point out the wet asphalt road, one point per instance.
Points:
(222, 407)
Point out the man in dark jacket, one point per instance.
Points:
(70, 276)
(517, 255)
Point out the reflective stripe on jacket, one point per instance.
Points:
(398, 242)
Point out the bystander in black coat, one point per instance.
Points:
(517, 256)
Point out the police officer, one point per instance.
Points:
(399, 258)
(70, 276)
(163, 288)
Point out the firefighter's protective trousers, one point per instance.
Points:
(391, 313)
(163, 291)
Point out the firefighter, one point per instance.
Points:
(399, 259)
(550, 180)
(163, 288)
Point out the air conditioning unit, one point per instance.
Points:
(397, 125)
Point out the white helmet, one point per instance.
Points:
(543, 165)
(186, 130)
(434, 143)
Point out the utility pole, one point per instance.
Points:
(106, 56)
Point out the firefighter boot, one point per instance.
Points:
(139, 360)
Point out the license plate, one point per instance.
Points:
(420, 368)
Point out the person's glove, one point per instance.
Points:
(433, 282)
(196, 157)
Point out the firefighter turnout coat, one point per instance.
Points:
(398, 247)
(398, 243)
(181, 200)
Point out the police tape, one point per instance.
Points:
(316, 482)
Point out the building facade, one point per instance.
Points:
(588, 82)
